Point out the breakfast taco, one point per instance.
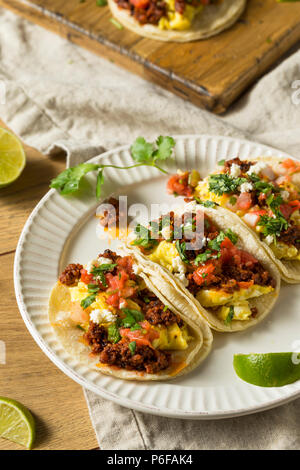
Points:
(177, 20)
(109, 315)
(263, 193)
(214, 265)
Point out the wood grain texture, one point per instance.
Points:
(29, 376)
(210, 73)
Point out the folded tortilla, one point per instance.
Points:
(182, 361)
(212, 20)
(169, 285)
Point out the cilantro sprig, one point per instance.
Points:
(230, 316)
(143, 237)
(85, 303)
(181, 248)
(273, 226)
(142, 152)
(223, 183)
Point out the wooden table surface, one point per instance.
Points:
(29, 376)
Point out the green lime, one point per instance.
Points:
(268, 370)
(16, 422)
(12, 158)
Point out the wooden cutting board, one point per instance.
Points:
(210, 73)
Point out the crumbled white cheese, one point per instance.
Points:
(269, 239)
(136, 269)
(285, 195)
(123, 304)
(179, 270)
(178, 265)
(257, 168)
(246, 187)
(102, 260)
(182, 278)
(205, 240)
(166, 232)
(91, 264)
(102, 316)
(235, 170)
(180, 172)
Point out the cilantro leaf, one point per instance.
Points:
(113, 333)
(202, 257)
(215, 244)
(165, 147)
(206, 203)
(93, 288)
(80, 327)
(85, 303)
(98, 271)
(262, 186)
(274, 202)
(102, 268)
(132, 347)
(141, 150)
(223, 183)
(230, 316)
(272, 226)
(233, 237)
(181, 248)
(68, 181)
(144, 237)
(131, 319)
(137, 315)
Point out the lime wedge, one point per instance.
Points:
(12, 158)
(268, 370)
(16, 422)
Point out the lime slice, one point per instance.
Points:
(268, 370)
(16, 422)
(12, 158)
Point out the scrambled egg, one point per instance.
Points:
(171, 337)
(203, 193)
(241, 311)
(164, 254)
(282, 250)
(212, 298)
(80, 292)
(177, 21)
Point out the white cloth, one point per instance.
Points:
(59, 96)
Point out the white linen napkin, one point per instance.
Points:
(57, 96)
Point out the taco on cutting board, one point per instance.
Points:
(177, 20)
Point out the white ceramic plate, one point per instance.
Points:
(62, 230)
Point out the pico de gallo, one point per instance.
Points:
(123, 322)
(219, 274)
(266, 196)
